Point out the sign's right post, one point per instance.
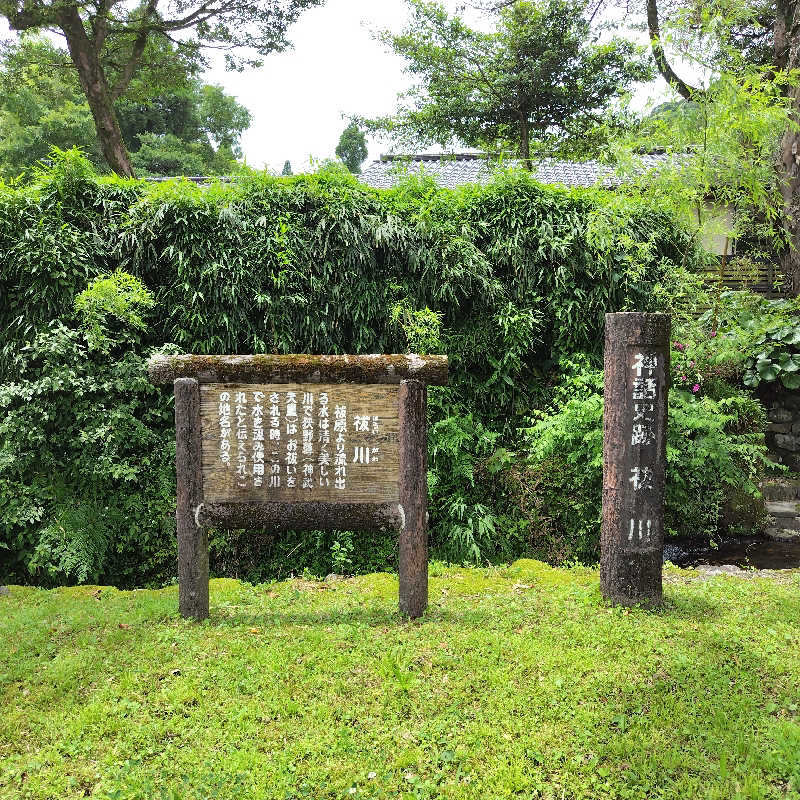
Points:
(637, 350)
(413, 542)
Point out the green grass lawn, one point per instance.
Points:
(518, 682)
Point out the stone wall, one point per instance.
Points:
(783, 423)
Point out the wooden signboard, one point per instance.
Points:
(301, 442)
(634, 457)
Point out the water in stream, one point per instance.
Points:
(744, 552)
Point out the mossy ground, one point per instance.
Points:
(519, 682)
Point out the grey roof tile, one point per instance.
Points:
(459, 169)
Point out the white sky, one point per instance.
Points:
(336, 68)
(297, 98)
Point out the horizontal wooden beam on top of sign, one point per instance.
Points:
(300, 368)
(303, 516)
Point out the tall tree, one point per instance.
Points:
(757, 25)
(352, 147)
(197, 114)
(541, 76)
(187, 128)
(41, 106)
(108, 43)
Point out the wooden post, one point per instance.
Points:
(192, 536)
(413, 557)
(637, 355)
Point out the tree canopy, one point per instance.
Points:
(188, 128)
(541, 77)
(352, 147)
(111, 41)
(749, 53)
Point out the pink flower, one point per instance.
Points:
(713, 334)
(683, 378)
(696, 388)
(691, 363)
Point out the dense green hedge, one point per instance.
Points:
(505, 279)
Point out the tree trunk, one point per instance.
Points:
(782, 32)
(525, 143)
(789, 179)
(95, 87)
(660, 57)
(787, 53)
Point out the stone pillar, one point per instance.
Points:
(192, 536)
(637, 351)
(413, 546)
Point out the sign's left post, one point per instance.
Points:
(192, 535)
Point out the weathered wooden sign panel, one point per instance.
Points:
(300, 442)
(634, 456)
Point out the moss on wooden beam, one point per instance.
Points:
(280, 516)
(300, 368)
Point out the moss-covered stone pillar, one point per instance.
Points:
(634, 457)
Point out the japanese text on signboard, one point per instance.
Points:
(291, 442)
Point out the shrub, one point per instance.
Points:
(744, 338)
(715, 454)
(504, 278)
(87, 486)
(112, 308)
(55, 236)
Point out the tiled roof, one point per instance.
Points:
(458, 169)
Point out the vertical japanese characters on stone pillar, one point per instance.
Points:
(634, 457)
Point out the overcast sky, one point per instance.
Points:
(298, 98)
(336, 67)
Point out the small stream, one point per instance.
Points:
(747, 551)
